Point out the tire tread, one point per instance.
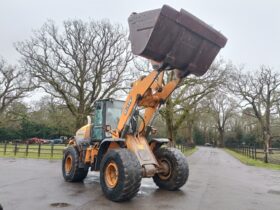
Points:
(180, 171)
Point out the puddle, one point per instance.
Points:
(149, 186)
(275, 192)
(59, 205)
(142, 193)
(92, 179)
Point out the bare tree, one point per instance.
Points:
(261, 91)
(221, 108)
(83, 62)
(184, 103)
(13, 84)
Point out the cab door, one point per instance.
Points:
(98, 133)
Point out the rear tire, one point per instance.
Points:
(70, 166)
(120, 175)
(178, 169)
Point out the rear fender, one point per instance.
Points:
(105, 144)
(156, 143)
(80, 151)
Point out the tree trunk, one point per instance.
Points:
(221, 143)
(266, 140)
(169, 122)
(190, 133)
(171, 134)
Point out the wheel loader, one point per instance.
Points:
(117, 141)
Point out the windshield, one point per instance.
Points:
(113, 114)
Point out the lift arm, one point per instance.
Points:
(148, 92)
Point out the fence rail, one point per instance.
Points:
(273, 156)
(48, 151)
(32, 150)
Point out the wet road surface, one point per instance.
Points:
(217, 181)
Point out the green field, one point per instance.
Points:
(190, 151)
(46, 151)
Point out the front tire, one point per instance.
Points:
(70, 166)
(176, 169)
(120, 175)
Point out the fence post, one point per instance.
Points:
(26, 149)
(39, 149)
(255, 152)
(5, 147)
(52, 150)
(15, 149)
(250, 150)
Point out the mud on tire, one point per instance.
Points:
(70, 166)
(128, 179)
(178, 169)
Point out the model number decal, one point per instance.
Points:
(127, 105)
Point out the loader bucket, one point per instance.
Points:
(177, 39)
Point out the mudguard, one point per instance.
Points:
(103, 149)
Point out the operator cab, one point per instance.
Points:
(107, 113)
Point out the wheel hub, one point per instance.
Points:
(166, 169)
(68, 164)
(111, 175)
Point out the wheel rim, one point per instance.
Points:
(68, 164)
(111, 174)
(167, 167)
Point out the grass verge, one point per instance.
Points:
(33, 156)
(189, 152)
(252, 162)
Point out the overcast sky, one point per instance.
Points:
(251, 26)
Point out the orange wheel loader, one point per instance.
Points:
(115, 140)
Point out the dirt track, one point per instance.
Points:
(217, 182)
